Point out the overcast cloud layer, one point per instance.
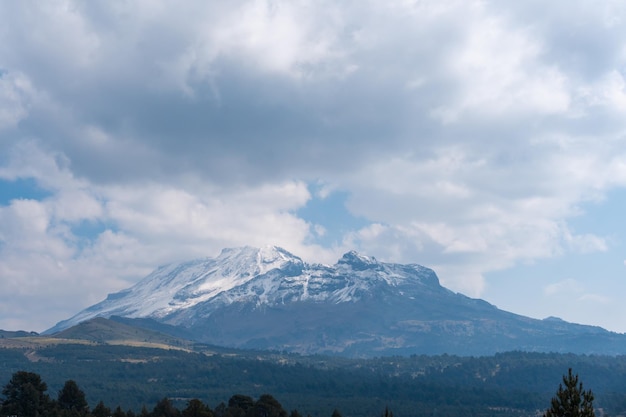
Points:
(467, 136)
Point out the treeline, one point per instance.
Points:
(508, 384)
(133, 377)
(25, 395)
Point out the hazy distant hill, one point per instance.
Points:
(101, 330)
(270, 299)
(19, 333)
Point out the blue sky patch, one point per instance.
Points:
(604, 218)
(22, 188)
(89, 230)
(332, 214)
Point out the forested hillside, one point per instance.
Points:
(506, 384)
(26, 395)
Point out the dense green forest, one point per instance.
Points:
(26, 395)
(136, 378)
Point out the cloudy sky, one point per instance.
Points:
(484, 139)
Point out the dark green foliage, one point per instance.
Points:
(25, 395)
(165, 408)
(26, 390)
(71, 400)
(508, 384)
(238, 406)
(243, 402)
(571, 399)
(220, 410)
(267, 406)
(196, 408)
(119, 412)
(387, 413)
(101, 410)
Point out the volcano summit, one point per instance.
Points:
(269, 298)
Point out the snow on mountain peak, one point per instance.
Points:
(248, 260)
(268, 298)
(266, 275)
(357, 261)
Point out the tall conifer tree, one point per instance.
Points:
(571, 399)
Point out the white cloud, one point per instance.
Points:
(468, 134)
(565, 287)
(501, 73)
(462, 208)
(608, 92)
(574, 290)
(279, 36)
(16, 95)
(144, 225)
(595, 299)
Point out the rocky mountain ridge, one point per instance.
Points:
(268, 276)
(269, 298)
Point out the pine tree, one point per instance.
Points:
(571, 400)
(72, 399)
(196, 408)
(144, 411)
(267, 406)
(118, 412)
(165, 408)
(25, 395)
(101, 410)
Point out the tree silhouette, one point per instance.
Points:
(196, 408)
(238, 406)
(165, 408)
(101, 410)
(25, 395)
(387, 413)
(267, 406)
(571, 400)
(71, 399)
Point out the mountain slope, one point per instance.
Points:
(268, 298)
(106, 331)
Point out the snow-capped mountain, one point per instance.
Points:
(177, 287)
(270, 298)
(265, 276)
